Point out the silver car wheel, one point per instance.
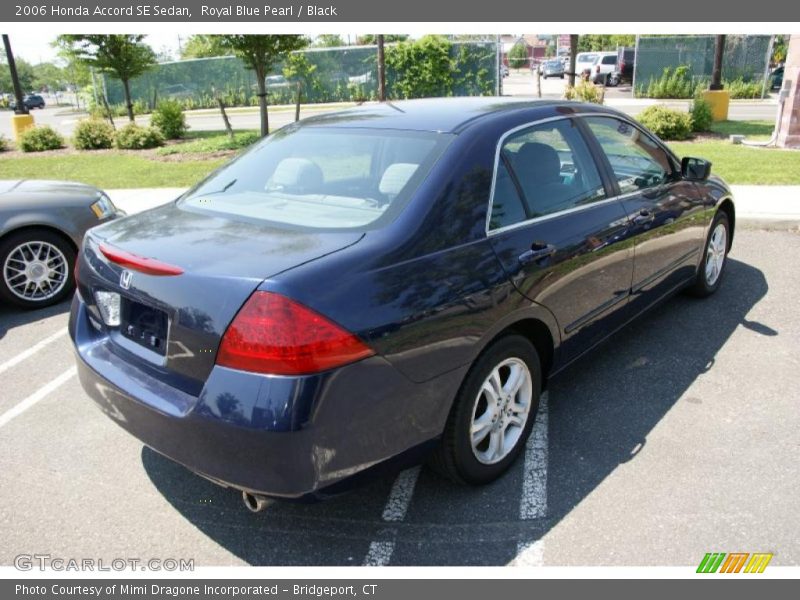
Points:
(501, 411)
(35, 271)
(715, 253)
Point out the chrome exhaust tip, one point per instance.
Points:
(254, 502)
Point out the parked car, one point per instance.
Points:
(776, 79)
(42, 224)
(553, 68)
(364, 286)
(604, 65)
(30, 101)
(626, 58)
(584, 61)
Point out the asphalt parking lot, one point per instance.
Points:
(677, 437)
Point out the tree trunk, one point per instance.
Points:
(126, 87)
(716, 73)
(262, 100)
(297, 107)
(381, 70)
(573, 52)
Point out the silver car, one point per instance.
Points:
(553, 68)
(41, 227)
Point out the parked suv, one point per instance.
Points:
(604, 65)
(625, 59)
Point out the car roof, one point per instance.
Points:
(444, 115)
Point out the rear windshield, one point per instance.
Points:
(322, 178)
(587, 57)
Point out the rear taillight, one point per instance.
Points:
(275, 335)
(597, 69)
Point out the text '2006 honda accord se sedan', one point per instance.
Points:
(385, 284)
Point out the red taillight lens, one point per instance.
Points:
(134, 262)
(273, 334)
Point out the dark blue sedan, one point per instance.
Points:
(386, 284)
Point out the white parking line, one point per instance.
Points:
(32, 350)
(37, 395)
(400, 496)
(534, 484)
(380, 552)
(533, 504)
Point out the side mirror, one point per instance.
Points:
(695, 169)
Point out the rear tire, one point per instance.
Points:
(715, 257)
(36, 268)
(492, 415)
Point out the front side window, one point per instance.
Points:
(324, 178)
(549, 169)
(637, 161)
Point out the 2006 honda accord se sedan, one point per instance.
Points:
(388, 283)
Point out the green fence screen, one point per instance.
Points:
(341, 74)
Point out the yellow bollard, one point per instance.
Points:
(719, 100)
(20, 123)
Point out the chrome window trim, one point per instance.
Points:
(490, 232)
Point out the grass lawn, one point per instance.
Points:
(738, 164)
(108, 170)
(754, 130)
(203, 142)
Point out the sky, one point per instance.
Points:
(37, 51)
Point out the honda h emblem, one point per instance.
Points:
(125, 279)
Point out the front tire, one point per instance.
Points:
(36, 268)
(492, 414)
(711, 269)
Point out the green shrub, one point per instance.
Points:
(3, 143)
(743, 90)
(675, 83)
(666, 123)
(39, 139)
(135, 137)
(585, 91)
(169, 119)
(93, 134)
(701, 113)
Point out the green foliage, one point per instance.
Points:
(329, 40)
(209, 142)
(743, 90)
(779, 49)
(666, 123)
(25, 72)
(593, 42)
(371, 39)
(420, 68)
(124, 56)
(518, 56)
(93, 134)
(204, 46)
(135, 137)
(48, 76)
(39, 139)
(673, 83)
(3, 143)
(701, 113)
(169, 119)
(584, 91)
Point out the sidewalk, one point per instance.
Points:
(769, 206)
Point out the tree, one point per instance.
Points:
(123, 56)
(301, 71)
(260, 53)
(518, 56)
(329, 40)
(381, 69)
(420, 69)
(595, 42)
(779, 48)
(370, 39)
(204, 46)
(25, 75)
(716, 73)
(573, 52)
(48, 76)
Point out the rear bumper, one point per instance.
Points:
(278, 436)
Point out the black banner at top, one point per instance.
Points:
(220, 11)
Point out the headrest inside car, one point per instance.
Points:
(296, 172)
(395, 178)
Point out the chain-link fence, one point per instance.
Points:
(340, 74)
(745, 57)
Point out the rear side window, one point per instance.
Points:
(637, 161)
(609, 60)
(546, 169)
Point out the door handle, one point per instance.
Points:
(537, 252)
(644, 216)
